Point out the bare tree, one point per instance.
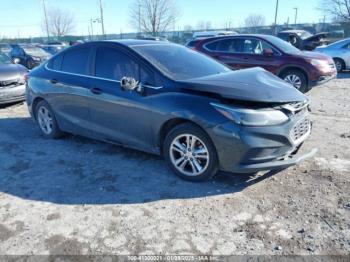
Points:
(153, 16)
(188, 28)
(204, 25)
(254, 20)
(59, 22)
(339, 10)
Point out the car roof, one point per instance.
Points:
(134, 42)
(293, 31)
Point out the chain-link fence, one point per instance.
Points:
(336, 31)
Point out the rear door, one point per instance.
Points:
(228, 51)
(68, 88)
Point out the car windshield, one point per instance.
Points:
(304, 34)
(4, 59)
(35, 51)
(180, 63)
(283, 45)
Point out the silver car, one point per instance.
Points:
(340, 52)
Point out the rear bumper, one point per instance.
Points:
(12, 94)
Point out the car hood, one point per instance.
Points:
(11, 71)
(317, 37)
(313, 55)
(255, 85)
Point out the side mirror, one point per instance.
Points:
(268, 52)
(129, 83)
(16, 60)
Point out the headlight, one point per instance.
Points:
(319, 63)
(251, 117)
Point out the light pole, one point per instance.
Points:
(92, 21)
(102, 22)
(296, 15)
(46, 22)
(276, 13)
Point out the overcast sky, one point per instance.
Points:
(23, 17)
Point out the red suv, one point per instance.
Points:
(301, 69)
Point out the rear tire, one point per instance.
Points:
(297, 79)
(46, 120)
(190, 153)
(339, 64)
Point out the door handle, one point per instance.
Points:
(54, 81)
(96, 91)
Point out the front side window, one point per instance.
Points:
(114, 64)
(76, 61)
(256, 47)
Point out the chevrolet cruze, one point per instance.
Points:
(166, 99)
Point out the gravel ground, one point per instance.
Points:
(78, 196)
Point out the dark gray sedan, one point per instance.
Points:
(12, 82)
(166, 99)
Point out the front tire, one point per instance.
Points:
(190, 153)
(297, 79)
(46, 120)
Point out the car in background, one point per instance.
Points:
(192, 43)
(168, 100)
(5, 48)
(301, 69)
(340, 52)
(206, 34)
(303, 40)
(52, 49)
(12, 80)
(28, 55)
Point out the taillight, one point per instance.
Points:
(26, 78)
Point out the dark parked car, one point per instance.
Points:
(5, 48)
(12, 81)
(301, 69)
(166, 99)
(304, 40)
(28, 55)
(192, 43)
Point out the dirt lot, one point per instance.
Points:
(77, 196)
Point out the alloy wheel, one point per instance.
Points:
(189, 155)
(294, 80)
(45, 120)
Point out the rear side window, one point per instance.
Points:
(113, 64)
(55, 63)
(76, 61)
(226, 45)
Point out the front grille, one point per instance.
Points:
(301, 130)
(296, 107)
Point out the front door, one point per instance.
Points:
(119, 116)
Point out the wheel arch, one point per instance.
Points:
(35, 103)
(169, 125)
(341, 59)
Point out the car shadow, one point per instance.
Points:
(344, 75)
(76, 170)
